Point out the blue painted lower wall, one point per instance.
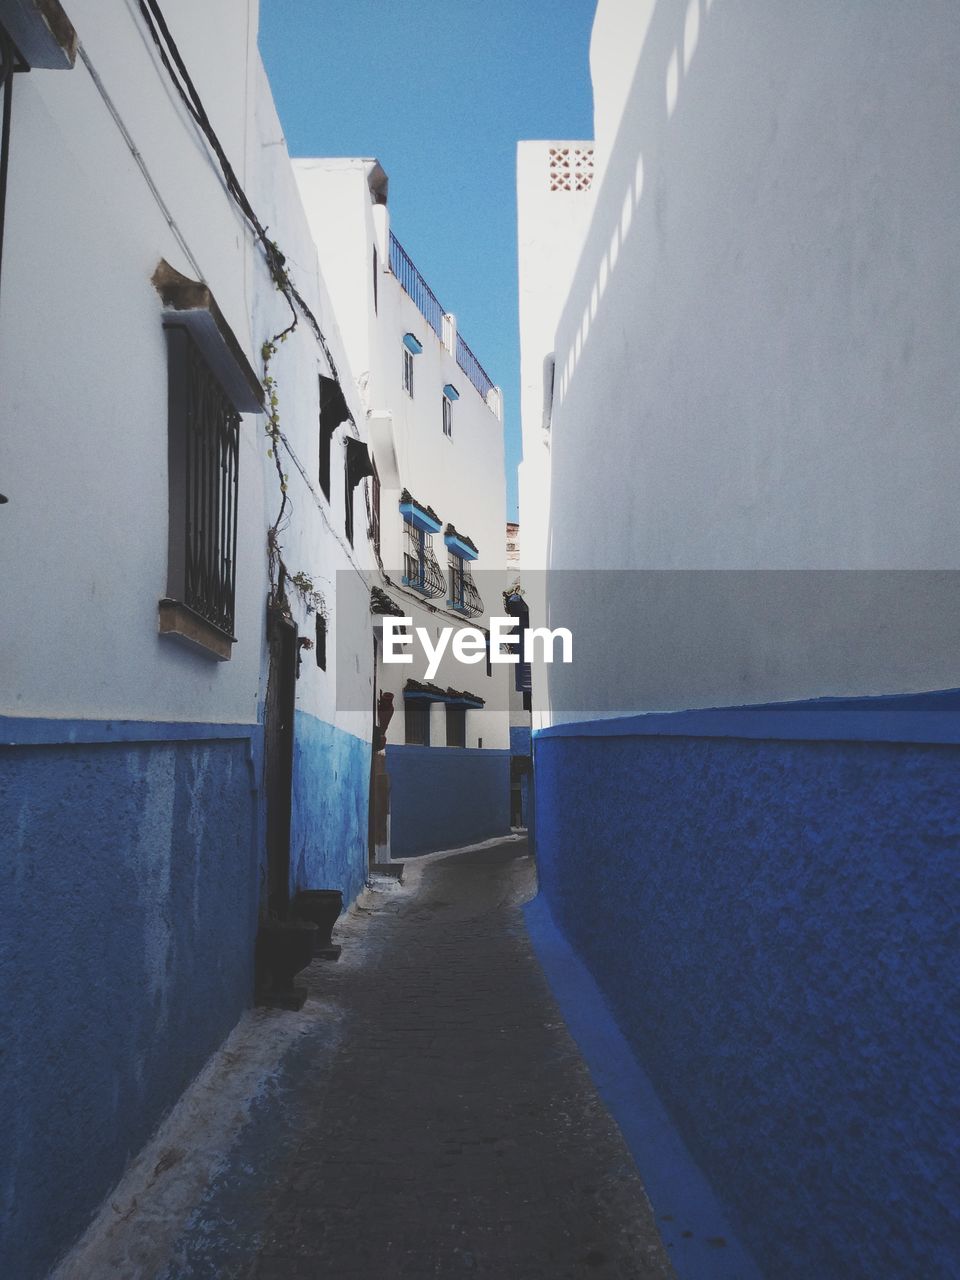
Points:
(128, 900)
(331, 789)
(775, 926)
(443, 797)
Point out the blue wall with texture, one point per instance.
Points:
(128, 896)
(331, 789)
(775, 926)
(443, 797)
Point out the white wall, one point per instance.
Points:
(83, 396)
(755, 361)
(461, 477)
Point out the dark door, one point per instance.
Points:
(278, 754)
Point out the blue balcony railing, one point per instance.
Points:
(414, 285)
(472, 367)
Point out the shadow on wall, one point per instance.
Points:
(593, 275)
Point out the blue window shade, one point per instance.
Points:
(451, 392)
(412, 343)
(459, 548)
(419, 518)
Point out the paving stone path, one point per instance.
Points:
(440, 1122)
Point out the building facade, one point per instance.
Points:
(434, 419)
(737, 318)
(174, 763)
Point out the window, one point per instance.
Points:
(210, 383)
(412, 346)
(455, 566)
(464, 596)
(416, 715)
(203, 453)
(456, 725)
(375, 265)
(450, 394)
(420, 568)
(321, 644)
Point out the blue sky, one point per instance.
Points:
(440, 91)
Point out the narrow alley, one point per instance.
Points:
(434, 427)
(432, 1118)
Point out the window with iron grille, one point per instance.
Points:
(408, 372)
(321, 645)
(448, 417)
(420, 568)
(456, 725)
(464, 596)
(416, 716)
(203, 451)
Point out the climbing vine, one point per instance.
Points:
(301, 582)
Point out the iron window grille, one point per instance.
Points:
(464, 596)
(416, 718)
(456, 725)
(321, 643)
(203, 449)
(420, 568)
(408, 372)
(448, 417)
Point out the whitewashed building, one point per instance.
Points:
(434, 419)
(173, 763)
(738, 322)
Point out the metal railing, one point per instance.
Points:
(413, 284)
(472, 367)
(464, 596)
(420, 568)
(210, 463)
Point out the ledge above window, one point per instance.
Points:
(190, 303)
(412, 343)
(460, 543)
(419, 516)
(429, 692)
(41, 31)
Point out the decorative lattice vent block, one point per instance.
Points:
(571, 168)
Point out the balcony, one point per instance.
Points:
(464, 596)
(420, 568)
(429, 306)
